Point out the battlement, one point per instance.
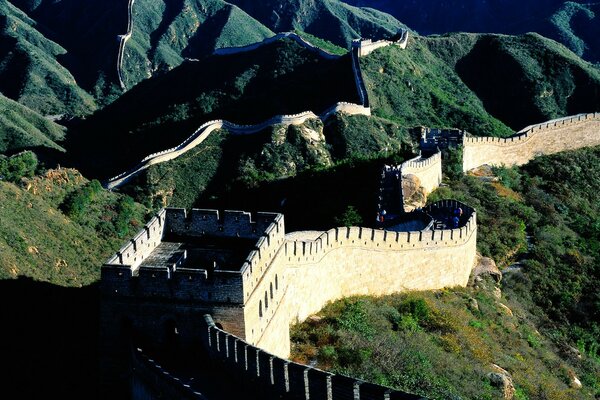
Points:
(546, 138)
(286, 377)
(299, 252)
(365, 47)
(196, 255)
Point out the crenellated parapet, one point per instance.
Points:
(569, 133)
(365, 47)
(287, 378)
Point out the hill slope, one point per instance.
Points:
(328, 19)
(575, 24)
(22, 128)
(88, 31)
(31, 71)
(166, 32)
(57, 226)
(245, 88)
(481, 83)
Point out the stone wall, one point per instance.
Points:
(207, 128)
(287, 378)
(367, 46)
(428, 170)
(122, 41)
(344, 262)
(568, 133)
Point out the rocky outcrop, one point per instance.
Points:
(414, 194)
(500, 378)
(485, 267)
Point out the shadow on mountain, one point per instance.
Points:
(246, 88)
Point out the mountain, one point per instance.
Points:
(575, 24)
(328, 19)
(244, 88)
(31, 69)
(22, 128)
(486, 84)
(166, 32)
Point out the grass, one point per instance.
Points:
(40, 241)
(22, 128)
(165, 33)
(415, 87)
(30, 71)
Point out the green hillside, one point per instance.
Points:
(57, 226)
(222, 169)
(486, 84)
(572, 23)
(577, 26)
(30, 68)
(166, 32)
(88, 31)
(245, 88)
(332, 20)
(541, 326)
(22, 128)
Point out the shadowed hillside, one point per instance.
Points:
(573, 23)
(22, 128)
(486, 84)
(245, 88)
(328, 19)
(33, 68)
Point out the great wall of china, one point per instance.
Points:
(360, 48)
(241, 308)
(123, 41)
(550, 137)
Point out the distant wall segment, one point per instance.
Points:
(551, 137)
(367, 46)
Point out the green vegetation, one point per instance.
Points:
(432, 344)
(417, 87)
(521, 80)
(226, 162)
(321, 43)
(481, 83)
(22, 165)
(332, 20)
(563, 19)
(246, 88)
(22, 128)
(39, 241)
(166, 32)
(572, 23)
(30, 71)
(544, 214)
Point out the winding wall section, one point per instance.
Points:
(207, 128)
(122, 41)
(582, 130)
(345, 262)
